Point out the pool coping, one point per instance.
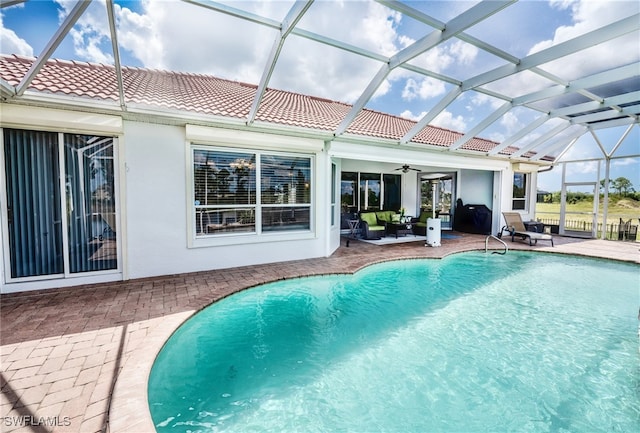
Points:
(129, 409)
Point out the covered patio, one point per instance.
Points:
(79, 358)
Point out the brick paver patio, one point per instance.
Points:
(77, 359)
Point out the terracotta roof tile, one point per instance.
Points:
(209, 95)
(300, 110)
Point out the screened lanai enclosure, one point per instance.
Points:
(254, 114)
(579, 79)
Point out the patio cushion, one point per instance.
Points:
(385, 216)
(369, 218)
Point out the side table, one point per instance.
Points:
(354, 227)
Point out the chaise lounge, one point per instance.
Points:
(516, 227)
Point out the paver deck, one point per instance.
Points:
(77, 359)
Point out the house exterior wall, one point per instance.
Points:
(476, 187)
(160, 236)
(155, 226)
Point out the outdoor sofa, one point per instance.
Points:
(374, 223)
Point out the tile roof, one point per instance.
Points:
(210, 95)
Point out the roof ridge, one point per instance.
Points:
(304, 95)
(189, 74)
(128, 68)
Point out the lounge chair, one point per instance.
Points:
(516, 227)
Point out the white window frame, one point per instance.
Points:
(258, 235)
(65, 274)
(527, 191)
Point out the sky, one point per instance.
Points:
(174, 35)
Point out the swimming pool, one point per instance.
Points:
(472, 342)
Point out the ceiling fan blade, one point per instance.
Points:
(405, 168)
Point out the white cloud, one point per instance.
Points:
(184, 37)
(625, 162)
(511, 122)
(90, 32)
(482, 99)
(577, 168)
(377, 31)
(447, 120)
(407, 114)
(384, 88)
(444, 120)
(496, 136)
(463, 52)
(437, 59)
(313, 68)
(12, 43)
(139, 35)
(423, 89)
(587, 16)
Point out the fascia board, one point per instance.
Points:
(417, 156)
(222, 136)
(41, 118)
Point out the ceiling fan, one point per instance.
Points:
(405, 168)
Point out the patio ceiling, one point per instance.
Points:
(563, 105)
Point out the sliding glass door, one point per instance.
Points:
(445, 195)
(60, 211)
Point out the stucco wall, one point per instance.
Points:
(155, 228)
(157, 214)
(476, 187)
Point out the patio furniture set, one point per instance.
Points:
(374, 225)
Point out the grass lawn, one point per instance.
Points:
(624, 208)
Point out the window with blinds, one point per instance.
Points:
(239, 192)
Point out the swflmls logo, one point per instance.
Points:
(31, 421)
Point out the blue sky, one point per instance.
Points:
(179, 36)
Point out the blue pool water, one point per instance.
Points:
(473, 342)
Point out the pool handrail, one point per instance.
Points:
(486, 245)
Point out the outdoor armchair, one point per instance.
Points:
(419, 225)
(371, 228)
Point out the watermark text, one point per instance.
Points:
(32, 421)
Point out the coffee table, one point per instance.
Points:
(397, 229)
